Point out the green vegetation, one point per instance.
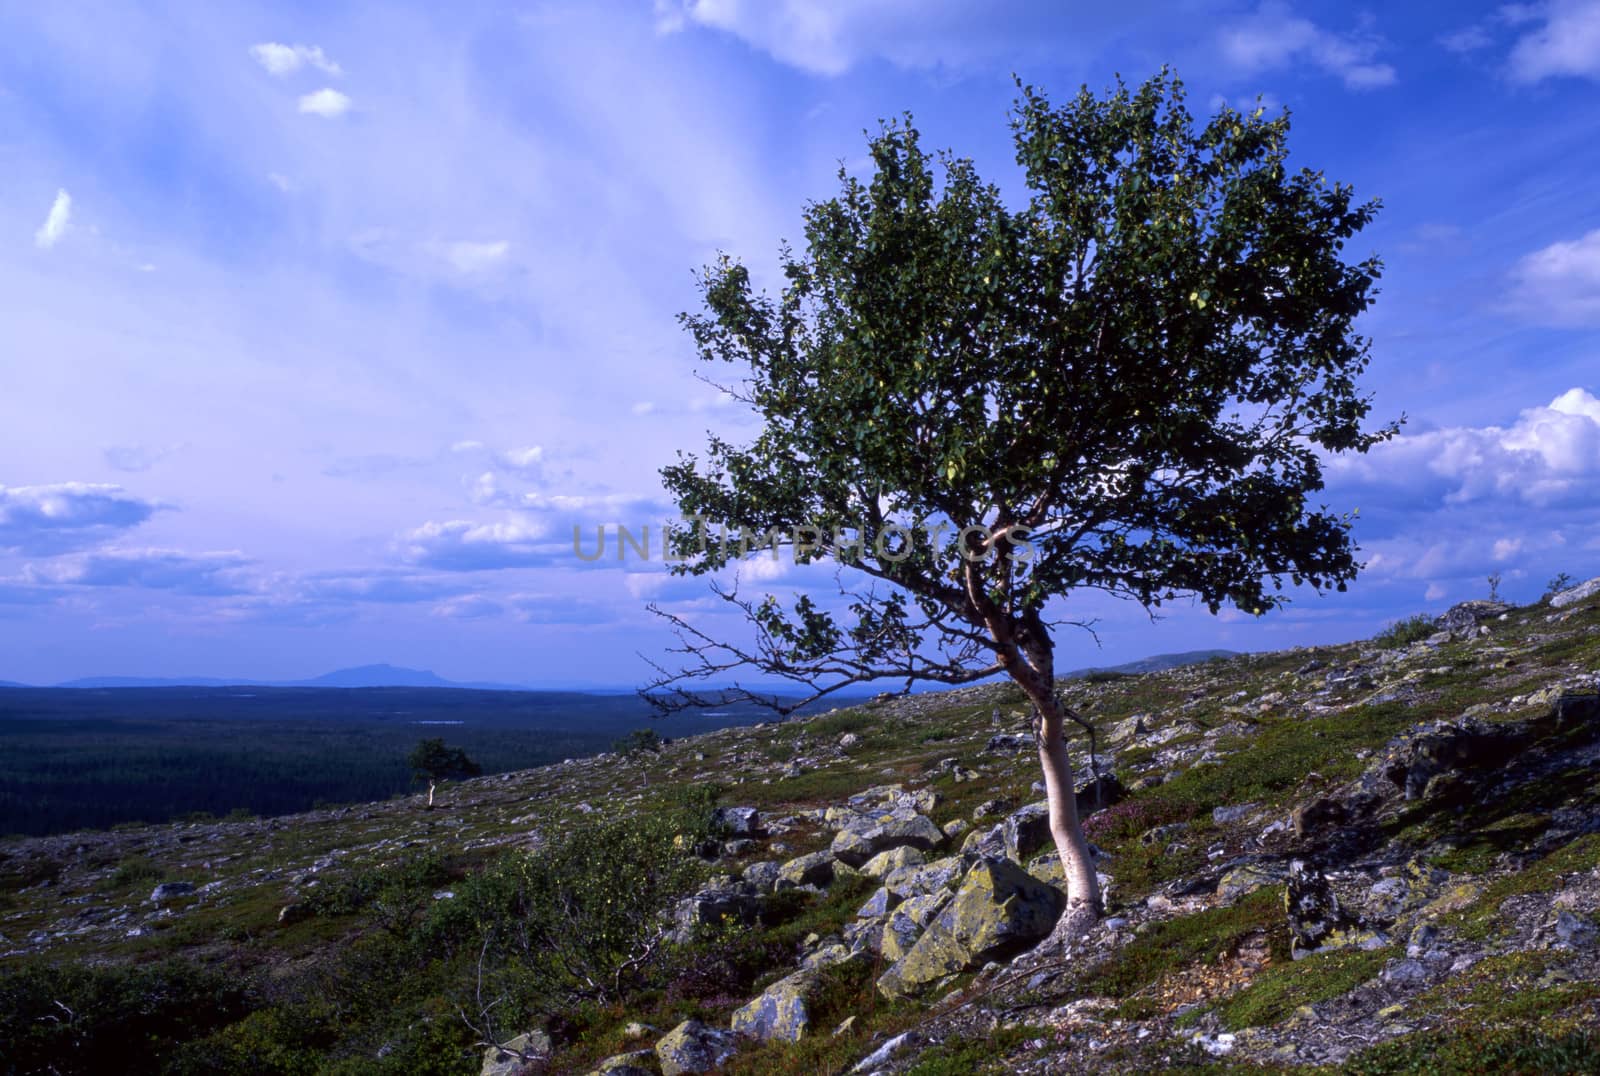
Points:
(941, 355)
(1402, 633)
(1284, 987)
(640, 741)
(1471, 1050)
(413, 938)
(77, 1018)
(978, 1054)
(432, 761)
(1172, 944)
(92, 759)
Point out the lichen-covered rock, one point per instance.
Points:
(781, 1011)
(692, 1047)
(762, 875)
(1313, 909)
(1319, 814)
(881, 903)
(1007, 743)
(999, 910)
(1026, 830)
(716, 906)
(1461, 618)
(634, 1063)
(898, 937)
(1098, 793)
(914, 881)
(1247, 879)
(736, 822)
(991, 809)
(921, 910)
(858, 843)
(170, 890)
(895, 858)
(511, 1056)
(813, 869)
(1574, 595)
(1411, 761)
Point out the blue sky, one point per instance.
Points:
(323, 324)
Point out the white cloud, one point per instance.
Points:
(643, 407)
(327, 103)
(1560, 284)
(282, 60)
(1467, 39)
(1273, 38)
(463, 546)
(1551, 454)
(1434, 592)
(527, 462)
(208, 574)
(1566, 43)
(1506, 548)
(829, 37)
(470, 257)
(55, 222)
(68, 515)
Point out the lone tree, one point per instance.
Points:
(432, 761)
(1125, 385)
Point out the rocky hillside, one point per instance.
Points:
(1377, 857)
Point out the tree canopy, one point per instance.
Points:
(432, 761)
(1125, 384)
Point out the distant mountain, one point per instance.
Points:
(1156, 663)
(398, 676)
(358, 676)
(377, 676)
(148, 681)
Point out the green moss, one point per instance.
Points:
(964, 1056)
(1480, 920)
(1172, 944)
(1470, 1050)
(1282, 988)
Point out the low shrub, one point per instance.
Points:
(1413, 629)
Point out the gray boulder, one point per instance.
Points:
(858, 843)
(813, 869)
(1026, 830)
(999, 910)
(762, 875)
(509, 1058)
(1576, 594)
(782, 1011)
(171, 890)
(692, 1047)
(736, 822)
(716, 906)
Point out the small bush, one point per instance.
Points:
(1413, 629)
(80, 1019)
(133, 872)
(581, 918)
(640, 741)
(1474, 1049)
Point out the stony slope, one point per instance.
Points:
(1361, 856)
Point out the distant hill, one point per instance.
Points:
(357, 676)
(1155, 663)
(391, 676)
(382, 675)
